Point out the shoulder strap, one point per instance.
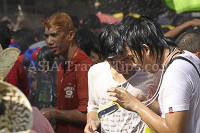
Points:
(182, 58)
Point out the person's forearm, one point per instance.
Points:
(154, 121)
(155, 107)
(176, 31)
(92, 116)
(72, 116)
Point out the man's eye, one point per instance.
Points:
(46, 36)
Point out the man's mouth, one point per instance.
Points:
(53, 49)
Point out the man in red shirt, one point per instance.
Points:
(17, 75)
(72, 81)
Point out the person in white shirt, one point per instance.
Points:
(179, 95)
(115, 71)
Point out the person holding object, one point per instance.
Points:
(179, 95)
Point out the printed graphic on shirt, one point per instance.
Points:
(122, 121)
(69, 91)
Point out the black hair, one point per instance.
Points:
(24, 38)
(112, 41)
(75, 21)
(87, 41)
(189, 41)
(45, 53)
(5, 22)
(5, 36)
(91, 21)
(144, 31)
(38, 34)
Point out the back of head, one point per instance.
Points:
(144, 31)
(5, 36)
(91, 21)
(87, 41)
(189, 41)
(112, 41)
(61, 21)
(45, 53)
(75, 21)
(38, 34)
(24, 38)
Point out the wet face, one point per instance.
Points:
(58, 44)
(121, 63)
(95, 57)
(148, 63)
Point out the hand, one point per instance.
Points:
(90, 127)
(194, 22)
(6, 18)
(124, 98)
(20, 18)
(47, 113)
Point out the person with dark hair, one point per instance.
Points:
(76, 22)
(24, 38)
(17, 75)
(72, 81)
(92, 22)
(116, 71)
(179, 91)
(88, 42)
(190, 41)
(38, 34)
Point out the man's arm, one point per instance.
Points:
(178, 30)
(72, 116)
(172, 123)
(92, 122)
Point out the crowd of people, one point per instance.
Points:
(128, 77)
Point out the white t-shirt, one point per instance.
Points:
(100, 80)
(180, 90)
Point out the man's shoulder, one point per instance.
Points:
(82, 58)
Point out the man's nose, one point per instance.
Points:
(49, 40)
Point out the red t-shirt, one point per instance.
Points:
(73, 89)
(18, 77)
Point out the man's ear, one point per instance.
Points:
(146, 50)
(71, 35)
(197, 54)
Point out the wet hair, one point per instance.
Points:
(189, 41)
(45, 53)
(144, 31)
(91, 21)
(112, 41)
(75, 21)
(61, 21)
(87, 41)
(24, 38)
(5, 36)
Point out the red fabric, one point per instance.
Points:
(73, 90)
(107, 18)
(18, 77)
(21, 58)
(35, 53)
